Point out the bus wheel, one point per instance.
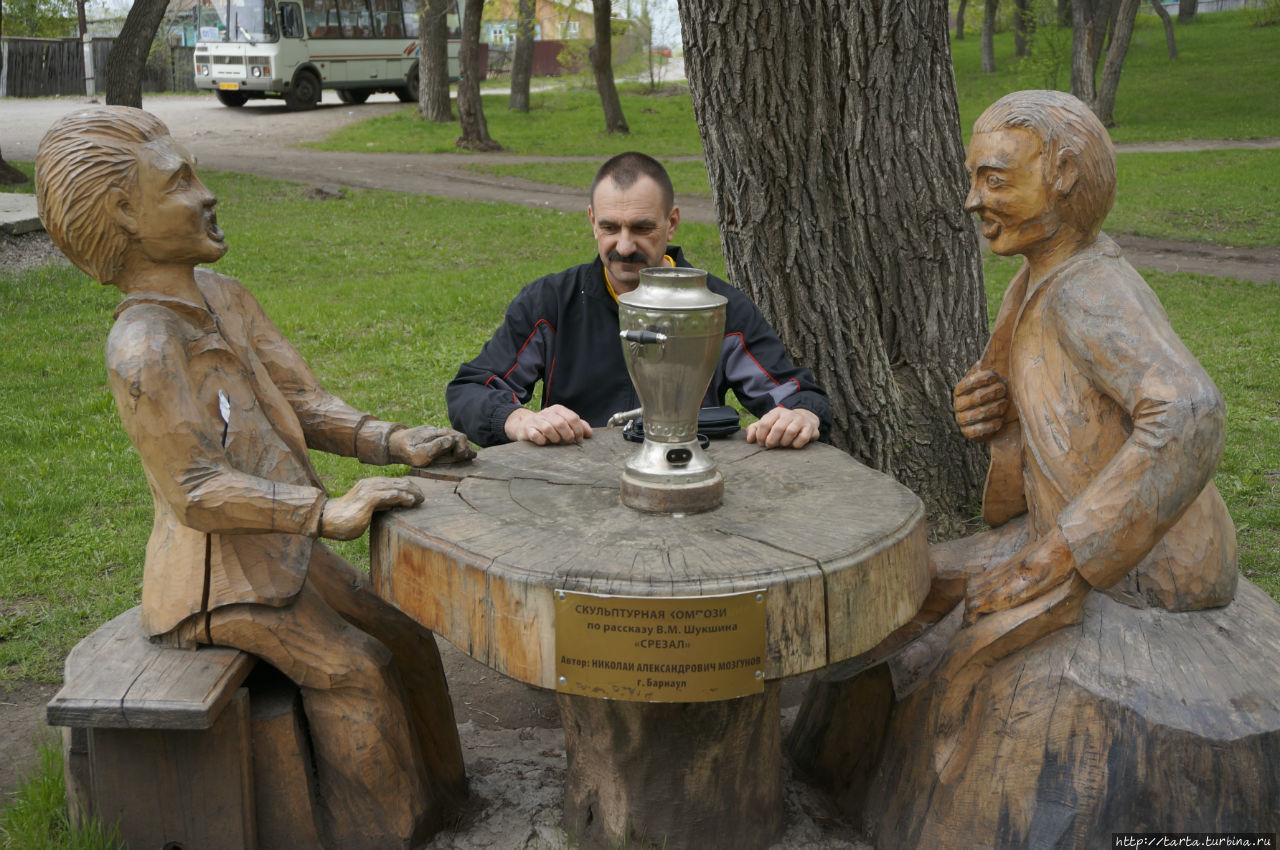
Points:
(354, 95)
(231, 98)
(408, 93)
(304, 93)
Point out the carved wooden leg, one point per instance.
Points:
(673, 775)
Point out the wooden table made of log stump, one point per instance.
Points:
(835, 551)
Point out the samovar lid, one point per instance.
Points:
(665, 288)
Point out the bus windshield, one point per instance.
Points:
(249, 21)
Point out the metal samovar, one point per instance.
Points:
(672, 329)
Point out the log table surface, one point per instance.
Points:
(839, 548)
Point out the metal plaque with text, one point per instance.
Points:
(660, 648)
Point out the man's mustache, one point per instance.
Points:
(633, 257)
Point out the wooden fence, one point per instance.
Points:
(39, 67)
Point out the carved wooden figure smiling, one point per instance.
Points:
(222, 410)
(1057, 715)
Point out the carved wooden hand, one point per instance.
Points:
(346, 517)
(1039, 567)
(980, 401)
(423, 445)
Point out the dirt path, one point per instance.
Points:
(510, 731)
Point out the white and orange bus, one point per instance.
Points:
(293, 49)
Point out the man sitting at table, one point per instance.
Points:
(562, 329)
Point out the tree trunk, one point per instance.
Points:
(988, 36)
(960, 20)
(10, 176)
(1023, 27)
(475, 130)
(1187, 11)
(602, 64)
(834, 153)
(1168, 28)
(1121, 33)
(433, 63)
(129, 53)
(1083, 63)
(522, 62)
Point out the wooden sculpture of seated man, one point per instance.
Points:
(1046, 716)
(222, 410)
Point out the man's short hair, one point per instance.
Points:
(1064, 124)
(626, 168)
(80, 159)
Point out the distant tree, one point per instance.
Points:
(1169, 41)
(128, 55)
(1024, 24)
(433, 63)
(1187, 11)
(37, 18)
(835, 158)
(522, 61)
(988, 36)
(602, 64)
(1092, 21)
(960, 20)
(475, 130)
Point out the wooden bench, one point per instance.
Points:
(183, 749)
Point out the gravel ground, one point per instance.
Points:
(19, 253)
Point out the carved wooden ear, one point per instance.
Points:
(121, 208)
(1068, 172)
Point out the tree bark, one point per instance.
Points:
(834, 153)
(522, 62)
(475, 130)
(1083, 52)
(1023, 27)
(129, 53)
(1169, 41)
(1187, 11)
(1121, 33)
(960, 20)
(10, 176)
(602, 64)
(988, 36)
(433, 63)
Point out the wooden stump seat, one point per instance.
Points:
(1132, 721)
(183, 749)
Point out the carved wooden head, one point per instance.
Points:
(1079, 163)
(84, 162)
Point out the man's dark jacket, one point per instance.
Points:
(562, 329)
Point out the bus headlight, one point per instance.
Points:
(257, 72)
(204, 70)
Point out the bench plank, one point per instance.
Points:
(115, 678)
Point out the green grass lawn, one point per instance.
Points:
(558, 123)
(1222, 86)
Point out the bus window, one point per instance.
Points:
(322, 19)
(252, 21)
(290, 20)
(411, 18)
(387, 20)
(356, 22)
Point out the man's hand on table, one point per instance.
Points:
(555, 424)
(423, 445)
(784, 427)
(346, 517)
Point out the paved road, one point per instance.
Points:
(261, 139)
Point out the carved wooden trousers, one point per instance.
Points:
(388, 761)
